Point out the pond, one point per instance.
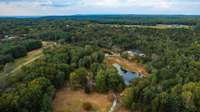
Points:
(127, 75)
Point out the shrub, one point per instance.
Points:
(110, 97)
(1, 68)
(87, 106)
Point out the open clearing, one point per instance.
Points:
(158, 26)
(129, 65)
(31, 56)
(67, 100)
(16, 66)
(19, 63)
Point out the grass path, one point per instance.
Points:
(23, 61)
(19, 63)
(24, 64)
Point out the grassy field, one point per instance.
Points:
(67, 100)
(166, 26)
(15, 67)
(30, 56)
(18, 63)
(159, 26)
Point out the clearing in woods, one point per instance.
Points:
(19, 63)
(16, 66)
(67, 100)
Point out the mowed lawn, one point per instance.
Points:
(67, 100)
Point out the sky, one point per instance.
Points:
(73, 7)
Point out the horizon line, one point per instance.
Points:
(99, 15)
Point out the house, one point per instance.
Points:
(10, 38)
(130, 53)
(137, 52)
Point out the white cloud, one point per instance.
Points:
(30, 9)
(127, 3)
(68, 7)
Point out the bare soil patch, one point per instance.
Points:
(67, 100)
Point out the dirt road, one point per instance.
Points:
(24, 64)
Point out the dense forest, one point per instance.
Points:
(132, 19)
(172, 58)
(32, 89)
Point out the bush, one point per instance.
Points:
(87, 89)
(197, 27)
(110, 97)
(78, 78)
(1, 68)
(5, 59)
(124, 55)
(32, 44)
(87, 106)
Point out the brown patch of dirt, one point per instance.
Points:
(67, 100)
(122, 109)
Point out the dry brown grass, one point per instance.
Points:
(122, 109)
(67, 100)
(30, 56)
(129, 65)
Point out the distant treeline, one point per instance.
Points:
(133, 19)
(119, 19)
